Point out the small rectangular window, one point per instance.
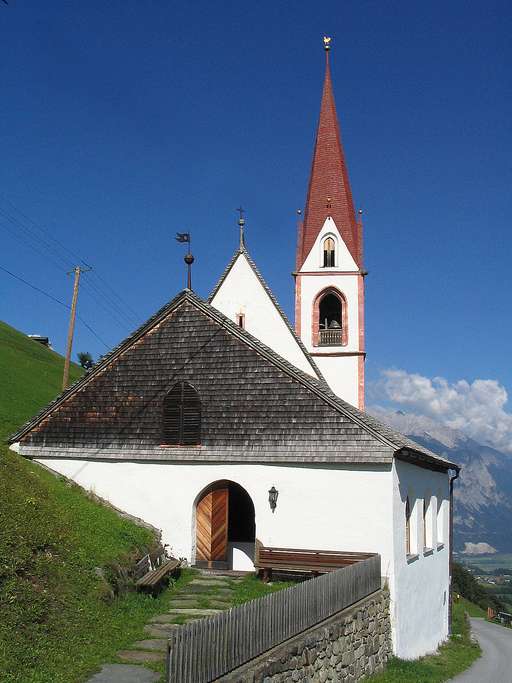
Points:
(440, 520)
(240, 320)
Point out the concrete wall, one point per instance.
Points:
(420, 582)
(349, 646)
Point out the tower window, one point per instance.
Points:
(330, 318)
(329, 253)
(182, 416)
(330, 321)
(240, 320)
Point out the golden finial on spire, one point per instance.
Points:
(327, 43)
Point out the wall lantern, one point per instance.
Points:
(272, 498)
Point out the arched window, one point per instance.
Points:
(182, 416)
(329, 253)
(330, 318)
(407, 526)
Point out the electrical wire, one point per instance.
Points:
(52, 245)
(58, 301)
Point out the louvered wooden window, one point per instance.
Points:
(182, 416)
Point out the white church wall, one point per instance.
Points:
(242, 292)
(324, 507)
(342, 377)
(419, 584)
(344, 260)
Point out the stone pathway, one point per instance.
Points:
(205, 595)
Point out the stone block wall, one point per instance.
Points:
(349, 646)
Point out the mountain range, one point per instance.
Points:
(482, 494)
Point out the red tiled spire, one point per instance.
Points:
(329, 191)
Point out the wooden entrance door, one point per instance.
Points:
(212, 526)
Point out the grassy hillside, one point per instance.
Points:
(30, 377)
(59, 550)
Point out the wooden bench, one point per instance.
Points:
(154, 574)
(304, 561)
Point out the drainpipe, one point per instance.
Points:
(450, 593)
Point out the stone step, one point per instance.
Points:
(201, 588)
(160, 630)
(140, 656)
(196, 602)
(194, 611)
(205, 581)
(171, 618)
(124, 673)
(159, 644)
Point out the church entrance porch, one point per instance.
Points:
(225, 529)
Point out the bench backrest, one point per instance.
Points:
(291, 557)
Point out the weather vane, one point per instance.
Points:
(184, 237)
(241, 223)
(327, 43)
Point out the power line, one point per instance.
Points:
(52, 245)
(58, 301)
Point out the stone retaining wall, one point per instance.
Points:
(349, 646)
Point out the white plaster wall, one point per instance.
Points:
(342, 375)
(419, 587)
(344, 260)
(340, 372)
(242, 292)
(326, 507)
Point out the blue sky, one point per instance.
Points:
(124, 122)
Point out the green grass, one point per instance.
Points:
(31, 377)
(472, 609)
(58, 619)
(453, 658)
(251, 587)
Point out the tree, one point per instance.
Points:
(466, 585)
(85, 359)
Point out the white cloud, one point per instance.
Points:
(476, 408)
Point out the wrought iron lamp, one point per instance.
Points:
(272, 498)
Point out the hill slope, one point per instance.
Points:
(30, 377)
(58, 618)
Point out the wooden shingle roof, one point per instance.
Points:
(257, 407)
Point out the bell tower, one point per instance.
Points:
(329, 275)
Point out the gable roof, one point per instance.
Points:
(242, 251)
(391, 442)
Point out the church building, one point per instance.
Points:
(212, 405)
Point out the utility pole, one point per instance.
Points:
(77, 271)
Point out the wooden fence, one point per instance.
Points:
(203, 650)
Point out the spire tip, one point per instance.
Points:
(327, 43)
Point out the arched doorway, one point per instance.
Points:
(225, 526)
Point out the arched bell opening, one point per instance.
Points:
(225, 527)
(330, 319)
